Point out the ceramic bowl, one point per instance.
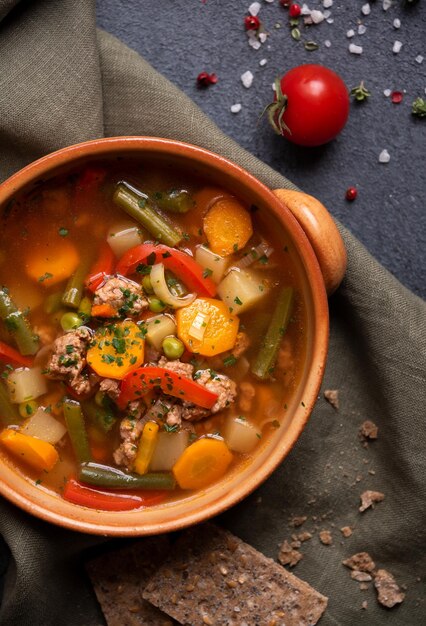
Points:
(235, 486)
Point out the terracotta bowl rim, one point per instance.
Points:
(140, 144)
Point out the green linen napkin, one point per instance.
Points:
(63, 82)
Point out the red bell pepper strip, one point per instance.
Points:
(108, 500)
(141, 381)
(103, 266)
(178, 262)
(13, 357)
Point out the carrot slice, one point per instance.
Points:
(103, 310)
(227, 226)
(52, 262)
(40, 454)
(117, 350)
(220, 331)
(202, 463)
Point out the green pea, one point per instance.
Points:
(173, 347)
(147, 285)
(26, 409)
(156, 305)
(70, 321)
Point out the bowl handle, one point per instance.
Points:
(322, 233)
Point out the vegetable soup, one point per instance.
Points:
(151, 331)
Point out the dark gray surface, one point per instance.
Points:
(181, 38)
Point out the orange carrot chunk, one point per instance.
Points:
(202, 463)
(227, 226)
(40, 454)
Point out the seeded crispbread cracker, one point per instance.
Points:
(212, 577)
(119, 577)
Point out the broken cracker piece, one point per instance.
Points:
(361, 577)
(368, 430)
(200, 584)
(288, 555)
(360, 561)
(118, 577)
(346, 531)
(388, 592)
(325, 537)
(332, 396)
(368, 498)
(304, 536)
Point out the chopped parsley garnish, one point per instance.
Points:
(63, 232)
(263, 259)
(237, 300)
(108, 358)
(151, 258)
(143, 269)
(235, 247)
(119, 345)
(166, 255)
(45, 276)
(229, 360)
(207, 272)
(69, 349)
(142, 203)
(275, 424)
(171, 429)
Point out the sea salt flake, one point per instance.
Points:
(327, 3)
(354, 49)
(326, 14)
(387, 4)
(255, 44)
(269, 1)
(263, 37)
(327, 43)
(317, 16)
(305, 10)
(236, 108)
(254, 8)
(263, 62)
(366, 9)
(330, 20)
(362, 29)
(419, 58)
(350, 33)
(384, 156)
(397, 23)
(397, 47)
(247, 79)
(387, 93)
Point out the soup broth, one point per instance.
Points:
(152, 330)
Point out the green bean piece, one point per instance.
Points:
(102, 414)
(53, 303)
(74, 421)
(74, 290)
(17, 325)
(105, 476)
(137, 205)
(265, 361)
(176, 288)
(175, 201)
(8, 411)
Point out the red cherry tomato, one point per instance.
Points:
(311, 105)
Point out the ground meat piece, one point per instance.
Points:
(152, 355)
(182, 369)
(288, 555)
(220, 384)
(124, 295)
(69, 359)
(368, 430)
(174, 416)
(131, 428)
(360, 561)
(332, 396)
(388, 592)
(325, 537)
(110, 387)
(368, 498)
(246, 396)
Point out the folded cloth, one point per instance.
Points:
(64, 82)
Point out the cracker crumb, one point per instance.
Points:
(388, 592)
(361, 561)
(325, 537)
(305, 536)
(364, 586)
(332, 396)
(288, 555)
(369, 498)
(361, 577)
(346, 531)
(364, 605)
(368, 430)
(298, 521)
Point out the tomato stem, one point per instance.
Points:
(277, 109)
